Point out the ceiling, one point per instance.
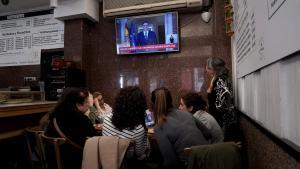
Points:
(15, 6)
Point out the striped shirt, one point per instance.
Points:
(138, 135)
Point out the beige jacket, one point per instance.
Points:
(104, 152)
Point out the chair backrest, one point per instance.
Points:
(130, 152)
(188, 150)
(212, 156)
(54, 144)
(129, 156)
(36, 151)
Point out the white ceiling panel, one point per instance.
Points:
(16, 6)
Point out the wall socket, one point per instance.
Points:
(29, 79)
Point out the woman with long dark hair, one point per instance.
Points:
(68, 117)
(220, 98)
(174, 130)
(128, 119)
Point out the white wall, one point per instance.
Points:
(266, 69)
(71, 9)
(271, 96)
(21, 6)
(265, 31)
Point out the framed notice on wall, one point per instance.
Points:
(22, 36)
(265, 31)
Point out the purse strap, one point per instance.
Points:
(61, 134)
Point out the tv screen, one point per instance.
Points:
(147, 33)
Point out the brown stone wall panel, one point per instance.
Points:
(73, 44)
(191, 25)
(262, 152)
(14, 75)
(197, 43)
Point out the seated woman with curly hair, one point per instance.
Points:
(128, 119)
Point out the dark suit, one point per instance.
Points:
(144, 40)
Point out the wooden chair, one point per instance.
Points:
(52, 143)
(35, 148)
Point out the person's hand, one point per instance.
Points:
(96, 101)
(87, 113)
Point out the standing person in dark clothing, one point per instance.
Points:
(70, 119)
(220, 98)
(174, 130)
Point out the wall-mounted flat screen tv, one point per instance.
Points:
(147, 33)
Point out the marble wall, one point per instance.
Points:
(93, 45)
(262, 152)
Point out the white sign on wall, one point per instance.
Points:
(264, 32)
(22, 37)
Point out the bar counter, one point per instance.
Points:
(14, 118)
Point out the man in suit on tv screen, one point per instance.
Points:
(147, 36)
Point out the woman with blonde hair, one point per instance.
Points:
(174, 130)
(103, 109)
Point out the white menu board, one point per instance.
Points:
(264, 32)
(22, 36)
